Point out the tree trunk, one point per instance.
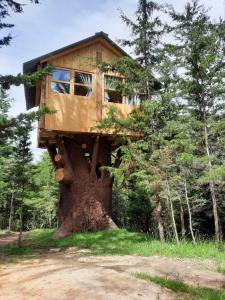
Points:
(183, 230)
(189, 212)
(212, 188)
(172, 214)
(85, 190)
(11, 211)
(157, 212)
(21, 227)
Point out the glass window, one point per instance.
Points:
(83, 78)
(83, 84)
(82, 90)
(60, 81)
(111, 89)
(113, 96)
(60, 75)
(59, 87)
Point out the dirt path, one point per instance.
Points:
(74, 275)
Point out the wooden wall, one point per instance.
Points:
(78, 114)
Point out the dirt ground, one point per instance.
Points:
(76, 275)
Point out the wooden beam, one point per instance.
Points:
(59, 159)
(62, 175)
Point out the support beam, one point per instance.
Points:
(63, 176)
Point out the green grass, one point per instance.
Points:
(221, 269)
(199, 293)
(15, 250)
(122, 242)
(5, 231)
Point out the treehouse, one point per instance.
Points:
(80, 95)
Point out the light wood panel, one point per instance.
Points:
(78, 114)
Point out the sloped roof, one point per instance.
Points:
(31, 66)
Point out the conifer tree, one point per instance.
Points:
(201, 52)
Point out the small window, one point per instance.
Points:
(60, 81)
(111, 91)
(60, 75)
(83, 84)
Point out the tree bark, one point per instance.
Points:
(157, 212)
(189, 212)
(85, 197)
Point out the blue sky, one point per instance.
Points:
(56, 23)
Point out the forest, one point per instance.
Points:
(171, 180)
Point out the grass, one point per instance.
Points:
(5, 231)
(221, 269)
(199, 293)
(123, 242)
(15, 250)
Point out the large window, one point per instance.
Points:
(111, 89)
(60, 81)
(65, 82)
(82, 84)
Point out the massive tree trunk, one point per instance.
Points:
(85, 189)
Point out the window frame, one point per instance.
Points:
(125, 99)
(82, 84)
(114, 90)
(61, 81)
(72, 82)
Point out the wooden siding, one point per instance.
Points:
(79, 114)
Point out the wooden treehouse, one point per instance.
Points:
(81, 96)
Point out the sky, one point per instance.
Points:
(55, 23)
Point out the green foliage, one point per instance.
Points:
(179, 286)
(172, 162)
(34, 185)
(27, 79)
(42, 198)
(171, 177)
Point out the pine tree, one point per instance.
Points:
(23, 156)
(201, 50)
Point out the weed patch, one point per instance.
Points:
(199, 293)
